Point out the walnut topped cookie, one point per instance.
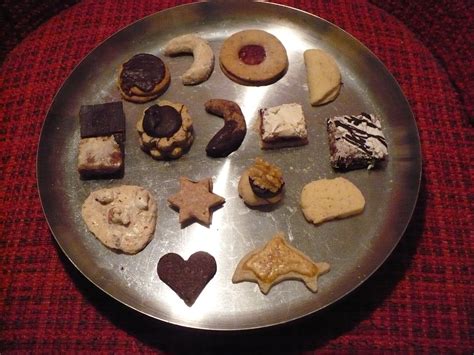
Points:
(261, 184)
(253, 57)
(165, 130)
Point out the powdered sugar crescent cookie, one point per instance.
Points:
(165, 130)
(203, 63)
(253, 57)
(143, 78)
(324, 77)
(326, 199)
(278, 261)
(122, 218)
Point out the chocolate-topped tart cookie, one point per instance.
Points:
(165, 130)
(143, 78)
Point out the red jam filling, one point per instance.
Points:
(252, 54)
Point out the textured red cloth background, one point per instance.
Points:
(419, 301)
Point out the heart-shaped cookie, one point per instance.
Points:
(187, 277)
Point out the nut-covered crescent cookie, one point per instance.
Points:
(230, 137)
(203, 63)
(253, 57)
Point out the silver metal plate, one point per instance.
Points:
(355, 247)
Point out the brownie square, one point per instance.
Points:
(356, 141)
(102, 120)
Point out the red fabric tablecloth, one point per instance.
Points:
(419, 300)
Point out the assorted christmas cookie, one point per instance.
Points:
(324, 78)
(165, 130)
(203, 63)
(187, 277)
(195, 201)
(101, 151)
(123, 218)
(278, 261)
(230, 137)
(143, 78)
(356, 141)
(326, 199)
(261, 184)
(283, 126)
(253, 57)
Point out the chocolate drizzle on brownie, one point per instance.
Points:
(161, 121)
(358, 137)
(144, 71)
(356, 141)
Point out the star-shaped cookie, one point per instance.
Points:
(278, 261)
(195, 200)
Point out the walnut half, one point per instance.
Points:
(265, 178)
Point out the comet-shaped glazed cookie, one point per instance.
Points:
(203, 63)
(230, 137)
(278, 261)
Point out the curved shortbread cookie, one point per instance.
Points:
(122, 218)
(324, 77)
(327, 199)
(203, 63)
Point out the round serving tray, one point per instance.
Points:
(354, 247)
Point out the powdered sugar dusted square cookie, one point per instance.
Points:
(356, 141)
(283, 126)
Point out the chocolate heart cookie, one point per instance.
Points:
(187, 278)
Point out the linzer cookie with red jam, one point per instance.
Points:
(101, 150)
(165, 130)
(283, 126)
(253, 57)
(187, 278)
(356, 141)
(143, 77)
(278, 261)
(261, 184)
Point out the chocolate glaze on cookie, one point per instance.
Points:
(144, 71)
(264, 192)
(161, 121)
(230, 137)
